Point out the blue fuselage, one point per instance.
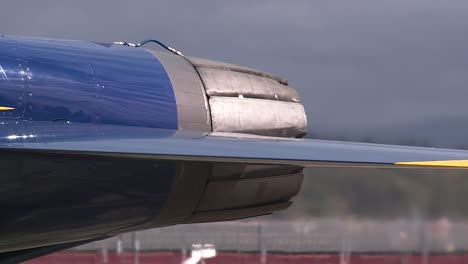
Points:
(84, 82)
(61, 88)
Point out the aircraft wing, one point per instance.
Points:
(223, 147)
(93, 182)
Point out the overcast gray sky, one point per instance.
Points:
(388, 70)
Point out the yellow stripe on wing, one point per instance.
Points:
(6, 108)
(438, 163)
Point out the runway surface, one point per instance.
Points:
(247, 258)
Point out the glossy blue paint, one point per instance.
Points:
(84, 82)
(62, 89)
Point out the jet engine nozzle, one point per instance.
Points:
(231, 98)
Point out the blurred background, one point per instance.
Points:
(392, 72)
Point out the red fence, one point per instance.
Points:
(246, 258)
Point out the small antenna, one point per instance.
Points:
(144, 42)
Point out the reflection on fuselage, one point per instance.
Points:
(346, 217)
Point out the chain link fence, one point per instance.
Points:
(344, 236)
